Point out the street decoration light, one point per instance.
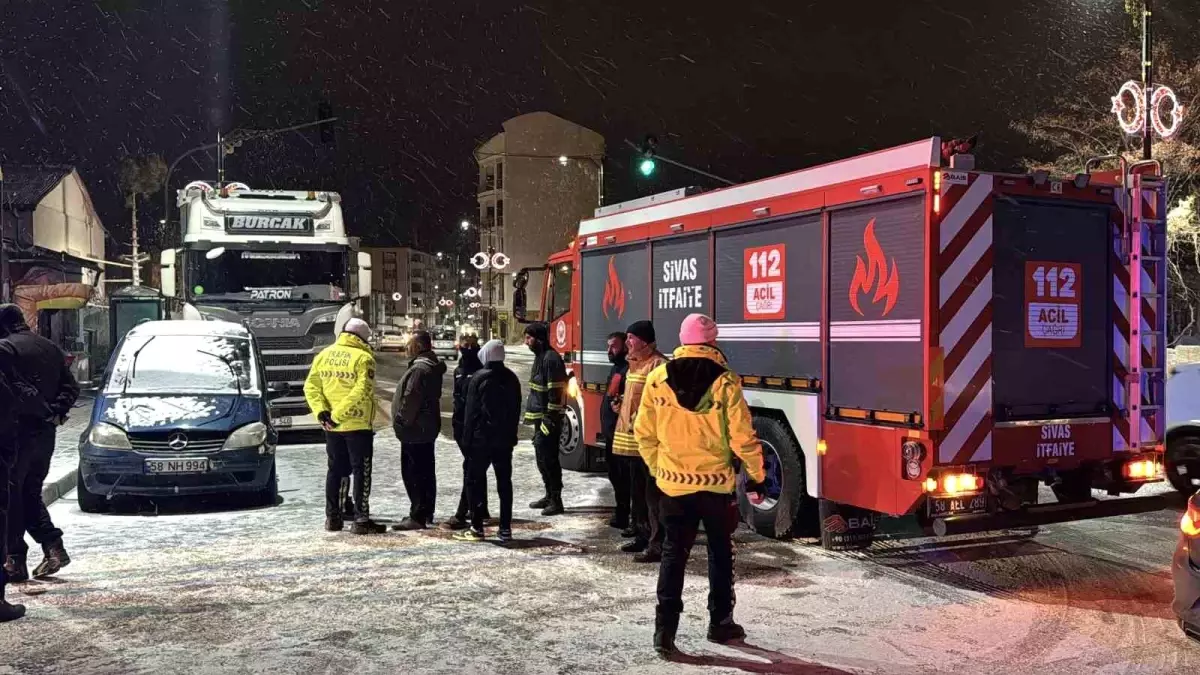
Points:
(1130, 107)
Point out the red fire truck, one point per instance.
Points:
(915, 337)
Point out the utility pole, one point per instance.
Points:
(5, 285)
(1147, 80)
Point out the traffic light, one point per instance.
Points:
(647, 165)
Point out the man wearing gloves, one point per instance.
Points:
(468, 365)
(643, 358)
(340, 390)
(417, 421)
(489, 436)
(692, 423)
(544, 411)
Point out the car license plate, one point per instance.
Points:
(948, 506)
(177, 465)
(283, 421)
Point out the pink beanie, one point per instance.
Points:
(698, 329)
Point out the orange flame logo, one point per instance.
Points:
(614, 291)
(874, 274)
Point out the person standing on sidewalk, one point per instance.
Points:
(38, 368)
(643, 357)
(489, 435)
(417, 420)
(610, 409)
(8, 460)
(340, 390)
(692, 423)
(468, 365)
(544, 410)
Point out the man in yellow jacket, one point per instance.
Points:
(692, 423)
(340, 391)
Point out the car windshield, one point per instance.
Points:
(184, 364)
(443, 334)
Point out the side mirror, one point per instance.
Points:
(166, 262)
(364, 275)
(520, 279)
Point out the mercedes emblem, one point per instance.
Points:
(177, 441)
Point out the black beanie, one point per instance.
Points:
(644, 330)
(539, 331)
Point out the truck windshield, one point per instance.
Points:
(297, 275)
(184, 364)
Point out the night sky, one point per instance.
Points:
(742, 89)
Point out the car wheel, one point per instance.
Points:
(269, 495)
(89, 502)
(785, 484)
(1183, 463)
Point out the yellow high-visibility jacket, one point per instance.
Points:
(692, 421)
(624, 442)
(342, 382)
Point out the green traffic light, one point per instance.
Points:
(647, 166)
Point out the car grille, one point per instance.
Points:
(290, 342)
(200, 441)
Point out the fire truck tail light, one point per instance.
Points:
(1188, 524)
(1143, 469)
(822, 447)
(960, 483)
(931, 484)
(912, 453)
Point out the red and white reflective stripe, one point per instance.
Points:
(965, 318)
(800, 331)
(896, 330)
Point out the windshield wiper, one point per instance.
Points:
(133, 364)
(228, 364)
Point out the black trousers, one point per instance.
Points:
(8, 460)
(681, 519)
(545, 448)
(647, 504)
(500, 459)
(350, 454)
(420, 481)
(619, 468)
(27, 511)
(465, 501)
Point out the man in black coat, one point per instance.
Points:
(610, 408)
(46, 390)
(8, 459)
(489, 436)
(417, 421)
(468, 365)
(544, 412)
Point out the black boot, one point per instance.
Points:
(10, 612)
(16, 569)
(725, 630)
(555, 506)
(367, 527)
(652, 554)
(665, 626)
(456, 522)
(334, 524)
(541, 503)
(55, 559)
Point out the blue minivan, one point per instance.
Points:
(182, 411)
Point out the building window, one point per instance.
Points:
(499, 213)
(499, 175)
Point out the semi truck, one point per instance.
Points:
(277, 261)
(915, 337)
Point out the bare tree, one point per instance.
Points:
(140, 177)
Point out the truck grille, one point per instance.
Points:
(287, 374)
(287, 359)
(290, 342)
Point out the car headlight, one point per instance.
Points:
(250, 436)
(105, 435)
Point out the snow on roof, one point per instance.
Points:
(25, 185)
(191, 328)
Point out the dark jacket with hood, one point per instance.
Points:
(468, 365)
(417, 405)
(37, 373)
(547, 385)
(493, 410)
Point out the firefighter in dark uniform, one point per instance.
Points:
(544, 411)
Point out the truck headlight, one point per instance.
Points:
(109, 436)
(250, 436)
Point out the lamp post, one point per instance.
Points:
(1147, 79)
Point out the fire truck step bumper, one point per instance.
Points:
(1054, 513)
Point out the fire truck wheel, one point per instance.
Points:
(1076, 486)
(1183, 463)
(573, 454)
(784, 465)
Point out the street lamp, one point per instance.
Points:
(465, 225)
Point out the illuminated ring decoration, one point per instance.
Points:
(480, 261)
(500, 261)
(1133, 90)
(1175, 112)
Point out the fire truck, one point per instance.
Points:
(915, 337)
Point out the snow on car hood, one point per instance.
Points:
(150, 413)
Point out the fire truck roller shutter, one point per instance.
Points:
(681, 285)
(876, 287)
(616, 292)
(768, 296)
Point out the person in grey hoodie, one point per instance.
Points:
(417, 421)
